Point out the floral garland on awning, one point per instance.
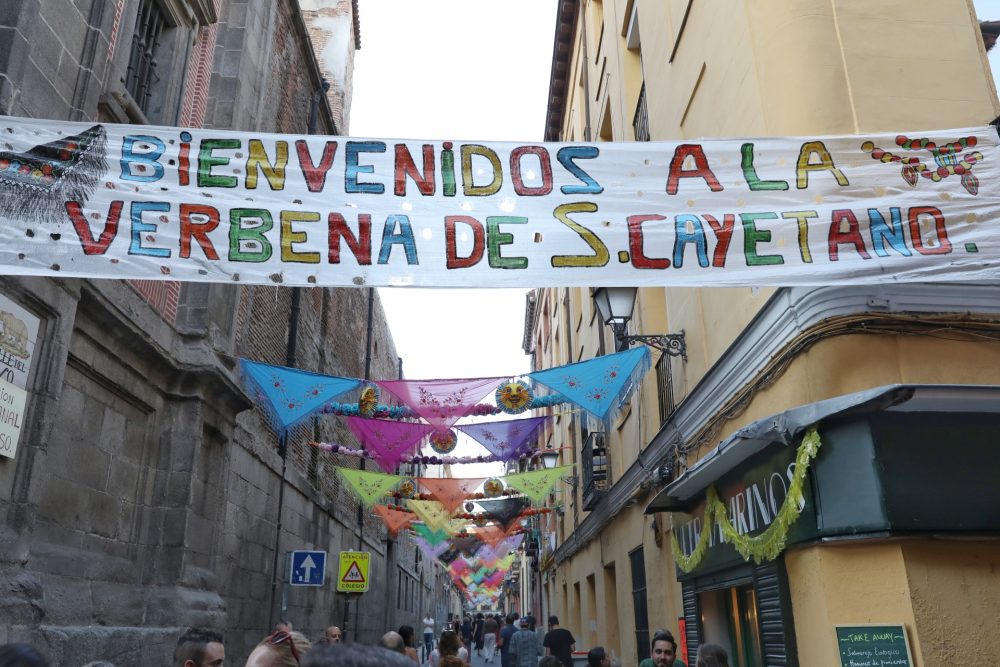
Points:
(770, 543)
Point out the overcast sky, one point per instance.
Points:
(454, 69)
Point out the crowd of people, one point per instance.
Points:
(513, 641)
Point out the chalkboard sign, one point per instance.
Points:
(873, 646)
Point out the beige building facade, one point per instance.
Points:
(899, 527)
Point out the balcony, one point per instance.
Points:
(594, 464)
(640, 122)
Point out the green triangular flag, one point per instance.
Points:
(433, 537)
(368, 486)
(538, 483)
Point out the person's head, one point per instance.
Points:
(531, 622)
(21, 655)
(449, 643)
(524, 623)
(511, 618)
(553, 621)
(663, 647)
(712, 655)
(334, 635)
(199, 647)
(353, 655)
(406, 632)
(550, 661)
(598, 657)
(392, 641)
(279, 649)
(479, 615)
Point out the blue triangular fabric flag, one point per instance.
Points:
(597, 385)
(289, 396)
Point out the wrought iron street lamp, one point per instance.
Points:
(615, 306)
(549, 458)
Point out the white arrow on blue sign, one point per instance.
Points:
(308, 568)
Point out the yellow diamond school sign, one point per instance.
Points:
(353, 572)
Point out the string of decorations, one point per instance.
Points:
(381, 411)
(479, 516)
(770, 543)
(425, 460)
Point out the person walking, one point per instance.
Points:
(506, 633)
(523, 649)
(466, 633)
(406, 632)
(559, 642)
(428, 625)
(477, 633)
(490, 630)
(448, 645)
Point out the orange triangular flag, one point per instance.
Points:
(450, 492)
(395, 520)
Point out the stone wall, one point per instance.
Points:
(144, 494)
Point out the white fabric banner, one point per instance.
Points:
(144, 202)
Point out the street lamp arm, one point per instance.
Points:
(670, 344)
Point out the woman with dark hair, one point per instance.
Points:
(448, 645)
(21, 655)
(409, 647)
(712, 655)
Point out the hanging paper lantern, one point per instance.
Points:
(407, 488)
(443, 441)
(492, 488)
(368, 401)
(514, 397)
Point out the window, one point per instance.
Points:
(142, 76)
(640, 121)
(665, 387)
(638, 562)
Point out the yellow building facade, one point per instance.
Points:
(877, 368)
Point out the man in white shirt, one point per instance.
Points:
(428, 623)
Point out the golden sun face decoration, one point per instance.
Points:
(514, 397)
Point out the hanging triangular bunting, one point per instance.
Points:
(432, 551)
(504, 511)
(390, 442)
(451, 492)
(491, 535)
(538, 483)
(597, 385)
(368, 486)
(513, 542)
(505, 439)
(394, 519)
(441, 402)
(425, 532)
(431, 512)
(455, 526)
(289, 396)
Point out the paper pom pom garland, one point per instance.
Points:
(443, 441)
(492, 488)
(514, 397)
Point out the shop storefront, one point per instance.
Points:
(893, 534)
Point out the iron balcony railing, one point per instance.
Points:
(594, 461)
(640, 122)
